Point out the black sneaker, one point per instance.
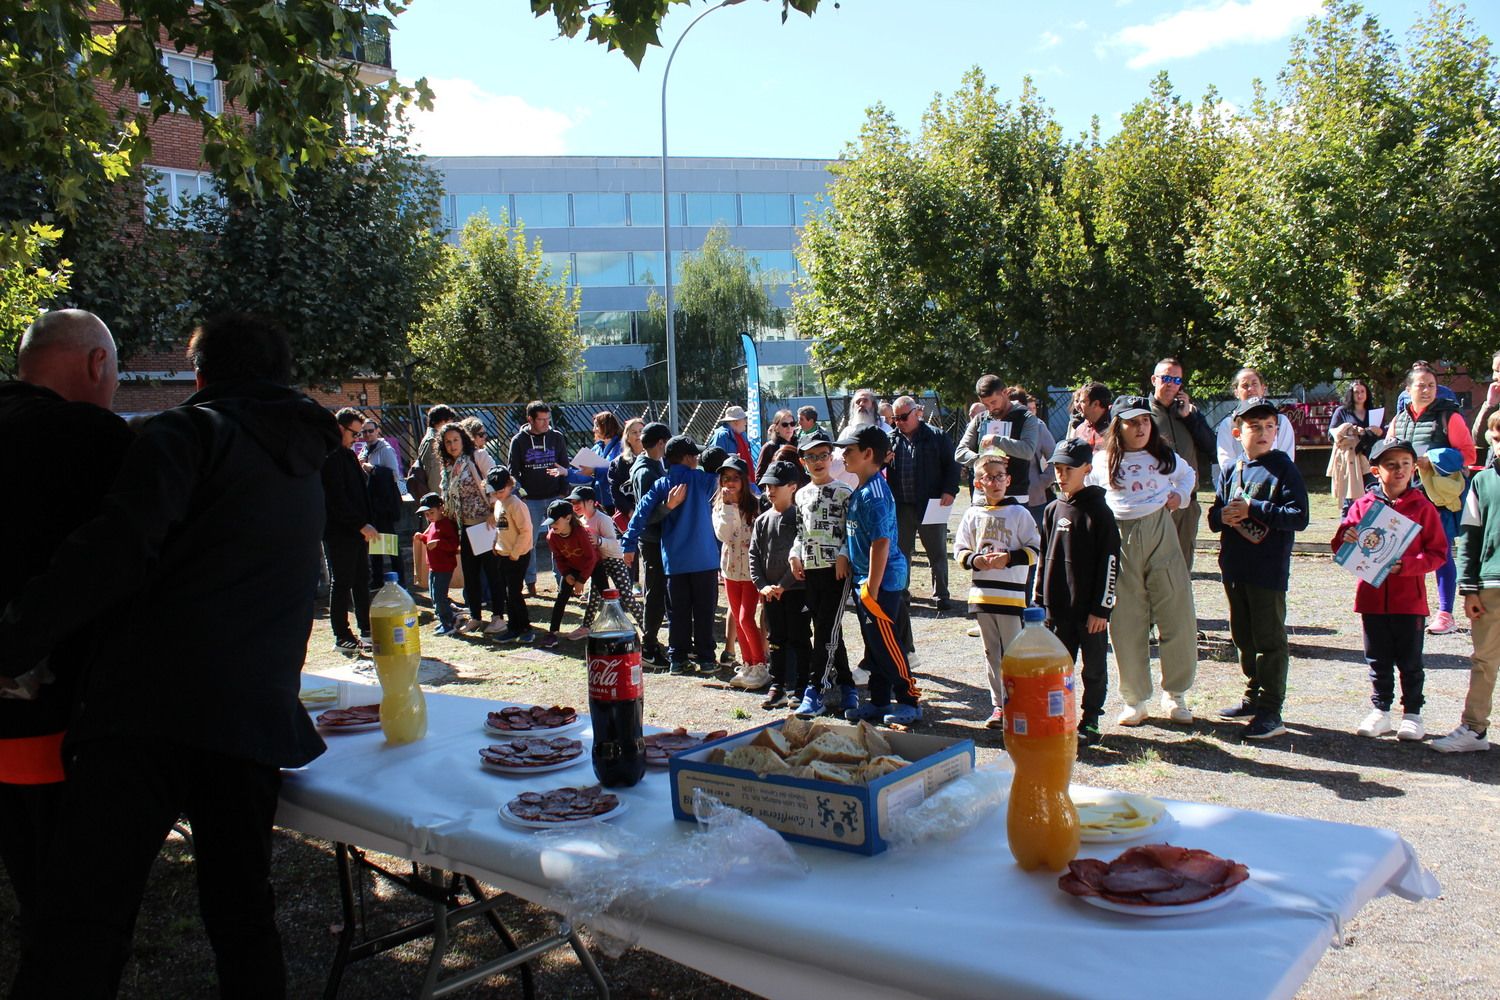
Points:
(943, 604)
(348, 644)
(726, 658)
(682, 670)
(1264, 726)
(1244, 710)
(654, 655)
(775, 698)
(1089, 734)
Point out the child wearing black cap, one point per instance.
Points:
(1258, 509)
(610, 570)
(819, 559)
(440, 542)
(788, 622)
(573, 554)
(1076, 575)
(1393, 614)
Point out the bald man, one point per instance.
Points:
(59, 447)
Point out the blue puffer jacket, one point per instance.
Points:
(688, 544)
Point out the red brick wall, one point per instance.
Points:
(137, 395)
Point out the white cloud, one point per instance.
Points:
(467, 120)
(1047, 41)
(1200, 29)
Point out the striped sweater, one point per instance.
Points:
(1006, 527)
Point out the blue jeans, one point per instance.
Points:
(440, 603)
(541, 556)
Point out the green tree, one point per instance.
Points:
(628, 25)
(721, 293)
(27, 284)
(504, 329)
(1355, 232)
(284, 63)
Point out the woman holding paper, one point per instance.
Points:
(1354, 428)
(465, 501)
(606, 449)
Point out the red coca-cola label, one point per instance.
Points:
(615, 678)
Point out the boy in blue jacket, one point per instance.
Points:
(690, 552)
(1260, 506)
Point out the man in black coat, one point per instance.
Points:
(922, 469)
(202, 559)
(347, 534)
(67, 379)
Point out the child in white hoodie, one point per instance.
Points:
(611, 569)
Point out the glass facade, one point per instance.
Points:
(712, 209)
(495, 207)
(604, 328)
(600, 210)
(559, 267)
(766, 209)
(602, 269)
(542, 211)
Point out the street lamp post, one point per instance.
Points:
(666, 223)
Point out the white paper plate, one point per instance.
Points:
(582, 758)
(1185, 910)
(328, 700)
(526, 734)
(1163, 823)
(536, 824)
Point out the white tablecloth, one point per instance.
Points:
(955, 918)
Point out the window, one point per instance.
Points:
(648, 268)
(559, 268)
(789, 380)
(494, 207)
(651, 330)
(178, 188)
(596, 269)
(645, 210)
(598, 210)
(767, 209)
(777, 267)
(808, 206)
(711, 209)
(609, 385)
(194, 77)
(597, 328)
(542, 211)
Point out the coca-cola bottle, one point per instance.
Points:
(614, 655)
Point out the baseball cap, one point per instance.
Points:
(1129, 407)
(866, 436)
(810, 441)
(559, 508)
(654, 433)
(1255, 406)
(990, 455)
(680, 447)
(430, 501)
(736, 464)
(497, 478)
(581, 493)
(1389, 445)
(1073, 451)
(781, 474)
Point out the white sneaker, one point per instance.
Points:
(1410, 728)
(1133, 715)
(1377, 723)
(973, 632)
(1461, 740)
(1175, 705)
(756, 675)
(495, 627)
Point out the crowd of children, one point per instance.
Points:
(816, 532)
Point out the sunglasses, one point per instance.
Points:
(785, 423)
(903, 416)
(370, 430)
(1171, 379)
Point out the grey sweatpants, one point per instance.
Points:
(1153, 586)
(997, 632)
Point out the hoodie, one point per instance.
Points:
(986, 529)
(208, 530)
(688, 543)
(1404, 592)
(1080, 558)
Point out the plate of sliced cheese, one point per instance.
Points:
(1108, 817)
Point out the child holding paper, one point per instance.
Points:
(467, 503)
(1393, 614)
(514, 538)
(439, 540)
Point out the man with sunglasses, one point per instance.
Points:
(1183, 426)
(922, 469)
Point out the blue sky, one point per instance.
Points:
(744, 84)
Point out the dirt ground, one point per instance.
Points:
(1446, 806)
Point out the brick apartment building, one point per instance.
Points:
(153, 381)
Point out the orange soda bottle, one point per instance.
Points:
(1041, 734)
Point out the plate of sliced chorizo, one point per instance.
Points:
(561, 807)
(532, 754)
(347, 720)
(531, 720)
(1155, 880)
(661, 746)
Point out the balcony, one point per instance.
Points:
(372, 50)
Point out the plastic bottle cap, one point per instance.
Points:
(1034, 614)
(390, 578)
(611, 594)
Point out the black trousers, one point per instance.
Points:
(656, 590)
(348, 580)
(512, 583)
(28, 818)
(481, 578)
(1095, 649)
(1393, 643)
(789, 634)
(121, 799)
(909, 528)
(824, 595)
(695, 596)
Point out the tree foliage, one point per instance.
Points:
(285, 63)
(629, 26)
(1357, 228)
(27, 284)
(503, 328)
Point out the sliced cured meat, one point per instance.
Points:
(532, 752)
(522, 718)
(1190, 891)
(1154, 875)
(358, 715)
(1089, 872)
(1140, 880)
(563, 805)
(661, 746)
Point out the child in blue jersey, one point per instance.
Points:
(880, 574)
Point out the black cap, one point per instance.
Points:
(712, 458)
(733, 463)
(781, 474)
(558, 508)
(1255, 406)
(808, 442)
(1388, 445)
(498, 478)
(430, 501)
(1074, 452)
(654, 433)
(680, 447)
(864, 436)
(1129, 407)
(581, 493)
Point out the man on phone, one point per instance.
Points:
(1184, 427)
(1491, 403)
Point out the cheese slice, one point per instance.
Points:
(1116, 811)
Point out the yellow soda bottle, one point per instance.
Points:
(398, 654)
(1041, 735)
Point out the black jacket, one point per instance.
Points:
(1080, 558)
(936, 470)
(57, 458)
(204, 558)
(644, 472)
(346, 495)
(1259, 551)
(771, 542)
